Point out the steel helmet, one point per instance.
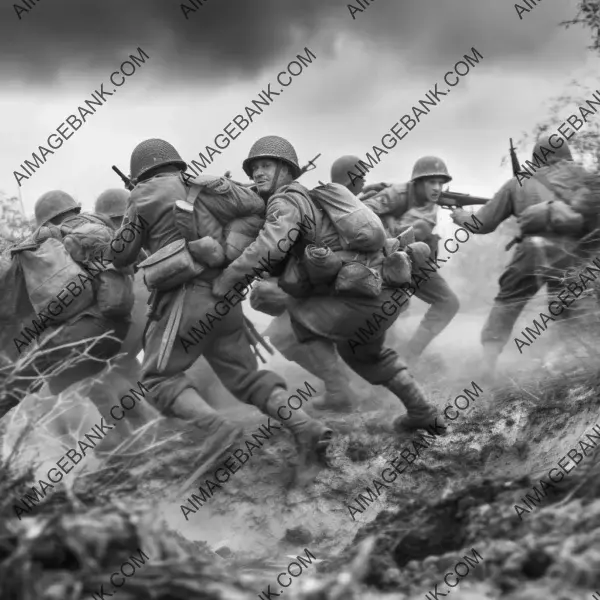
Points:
(112, 203)
(341, 167)
(562, 153)
(273, 146)
(430, 166)
(153, 153)
(52, 204)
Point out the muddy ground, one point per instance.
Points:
(459, 495)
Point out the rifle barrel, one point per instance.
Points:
(463, 199)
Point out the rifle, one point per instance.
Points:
(309, 166)
(450, 199)
(126, 180)
(516, 170)
(514, 160)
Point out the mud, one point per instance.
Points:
(459, 495)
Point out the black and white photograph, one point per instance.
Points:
(300, 299)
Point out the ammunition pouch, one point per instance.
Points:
(396, 269)
(114, 294)
(170, 267)
(357, 279)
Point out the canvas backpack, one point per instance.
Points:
(552, 216)
(54, 266)
(358, 227)
(219, 208)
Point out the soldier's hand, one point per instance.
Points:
(460, 215)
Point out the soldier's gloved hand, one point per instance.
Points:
(220, 286)
(460, 215)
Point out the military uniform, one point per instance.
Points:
(399, 208)
(225, 345)
(89, 323)
(112, 203)
(319, 319)
(537, 261)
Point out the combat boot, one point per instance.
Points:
(219, 435)
(420, 414)
(312, 437)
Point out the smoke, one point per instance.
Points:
(226, 38)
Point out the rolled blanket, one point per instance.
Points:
(322, 264)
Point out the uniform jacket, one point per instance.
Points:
(398, 208)
(153, 200)
(286, 209)
(513, 198)
(154, 203)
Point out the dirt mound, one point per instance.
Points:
(450, 518)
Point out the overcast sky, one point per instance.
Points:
(203, 71)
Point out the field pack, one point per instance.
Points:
(357, 225)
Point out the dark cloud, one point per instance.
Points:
(226, 38)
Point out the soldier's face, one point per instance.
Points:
(263, 173)
(431, 188)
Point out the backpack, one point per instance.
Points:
(53, 267)
(87, 238)
(358, 227)
(14, 300)
(48, 270)
(552, 216)
(222, 209)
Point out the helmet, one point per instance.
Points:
(112, 203)
(52, 204)
(562, 153)
(153, 153)
(341, 167)
(278, 148)
(430, 166)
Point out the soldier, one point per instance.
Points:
(112, 203)
(322, 361)
(536, 261)
(55, 211)
(156, 171)
(273, 166)
(403, 205)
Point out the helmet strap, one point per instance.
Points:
(275, 183)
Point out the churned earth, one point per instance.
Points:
(459, 495)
